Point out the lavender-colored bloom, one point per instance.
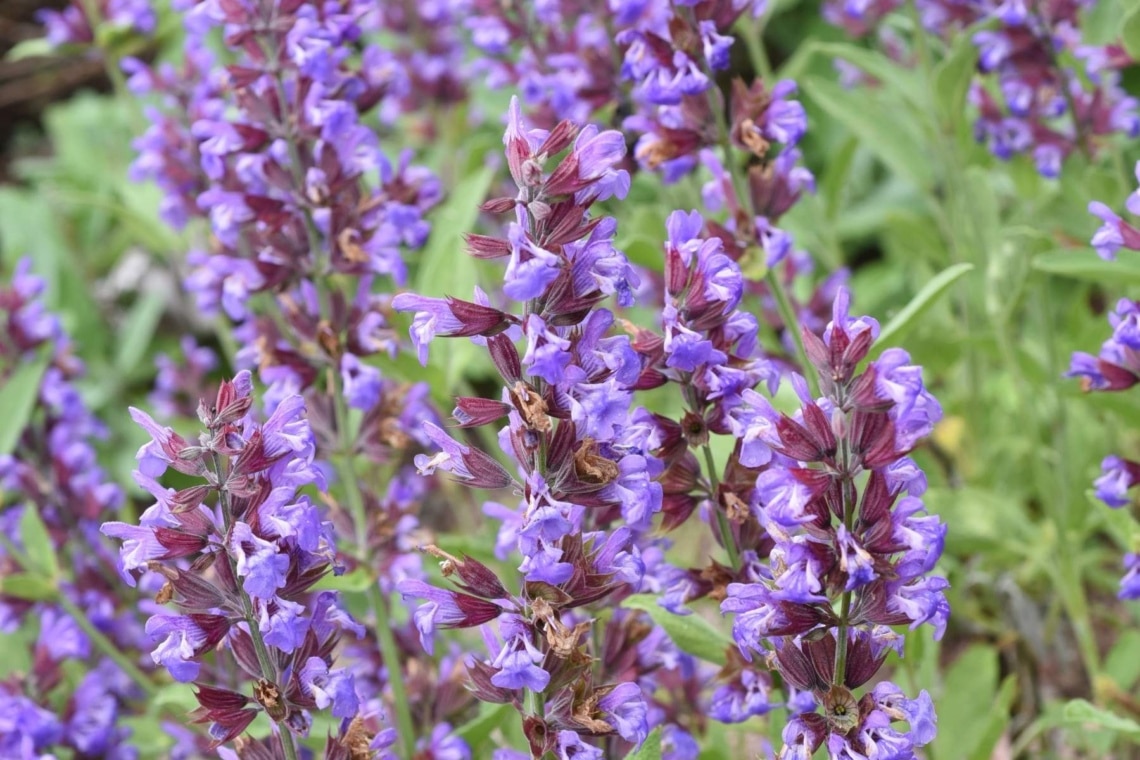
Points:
(61, 637)
(362, 383)
(258, 561)
(179, 640)
(443, 744)
(518, 664)
(26, 729)
(1130, 583)
(329, 688)
(746, 696)
(1117, 478)
(625, 709)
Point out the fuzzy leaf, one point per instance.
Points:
(691, 633)
(923, 300)
(891, 140)
(135, 337)
(903, 80)
(1130, 33)
(1088, 714)
(650, 749)
(29, 586)
(991, 729)
(18, 400)
(1086, 265)
(37, 544)
(478, 729)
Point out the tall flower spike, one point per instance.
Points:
(580, 457)
(53, 477)
(256, 548)
(853, 545)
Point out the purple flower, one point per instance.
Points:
(1130, 583)
(329, 688)
(61, 637)
(258, 561)
(1118, 477)
(362, 383)
(531, 269)
(923, 601)
(518, 664)
(180, 641)
(625, 709)
(745, 696)
(571, 747)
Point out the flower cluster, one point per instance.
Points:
(53, 480)
(273, 151)
(852, 545)
(1116, 368)
(239, 551)
(1035, 104)
(671, 58)
(580, 451)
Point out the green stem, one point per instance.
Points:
(792, 326)
(721, 518)
(840, 674)
(783, 303)
(752, 31)
(107, 647)
(847, 491)
(391, 655)
(384, 635)
(268, 669)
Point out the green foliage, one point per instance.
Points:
(650, 749)
(18, 396)
(905, 320)
(691, 633)
(892, 141)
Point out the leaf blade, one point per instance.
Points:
(18, 398)
(923, 300)
(691, 633)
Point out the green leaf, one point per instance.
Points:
(38, 548)
(691, 633)
(34, 48)
(967, 696)
(447, 270)
(137, 332)
(903, 80)
(477, 730)
(650, 749)
(923, 300)
(1130, 33)
(991, 729)
(952, 79)
(1123, 662)
(18, 400)
(178, 697)
(1086, 265)
(28, 586)
(355, 581)
(1088, 714)
(834, 180)
(892, 140)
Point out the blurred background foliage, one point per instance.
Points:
(1041, 659)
